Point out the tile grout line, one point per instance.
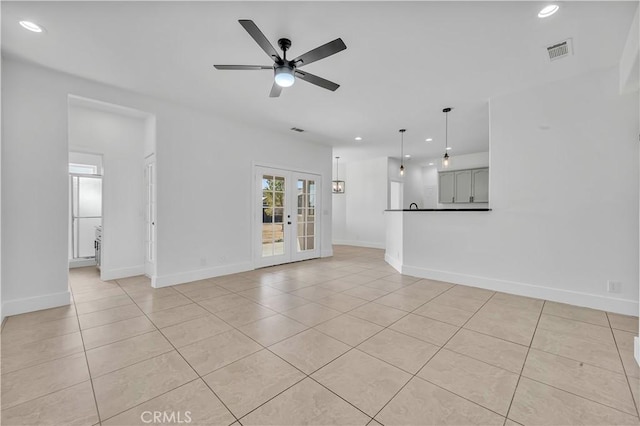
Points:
(319, 285)
(185, 360)
(581, 397)
(351, 347)
(615, 341)
(286, 338)
(433, 356)
(525, 361)
(86, 358)
(267, 348)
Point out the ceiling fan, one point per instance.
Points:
(286, 71)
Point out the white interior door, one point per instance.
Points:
(286, 204)
(150, 216)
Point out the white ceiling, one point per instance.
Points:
(404, 61)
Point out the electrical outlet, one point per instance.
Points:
(614, 286)
(203, 261)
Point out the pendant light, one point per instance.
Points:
(338, 185)
(446, 161)
(402, 151)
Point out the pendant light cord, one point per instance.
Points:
(446, 128)
(402, 149)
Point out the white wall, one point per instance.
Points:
(364, 200)
(204, 165)
(564, 200)
(120, 139)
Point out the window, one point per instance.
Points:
(83, 169)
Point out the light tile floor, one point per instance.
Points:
(338, 341)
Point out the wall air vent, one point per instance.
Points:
(560, 50)
(296, 129)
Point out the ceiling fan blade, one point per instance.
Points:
(318, 81)
(260, 38)
(275, 90)
(243, 67)
(321, 52)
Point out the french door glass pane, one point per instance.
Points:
(306, 223)
(273, 208)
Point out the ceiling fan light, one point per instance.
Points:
(284, 76)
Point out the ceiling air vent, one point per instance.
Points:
(296, 129)
(560, 50)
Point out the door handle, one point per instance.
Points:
(288, 223)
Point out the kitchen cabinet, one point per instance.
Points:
(464, 186)
(480, 185)
(446, 187)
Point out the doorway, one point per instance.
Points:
(287, 225)
(85, 208)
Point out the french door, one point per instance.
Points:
(286, 216)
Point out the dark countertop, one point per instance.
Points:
(438, 210)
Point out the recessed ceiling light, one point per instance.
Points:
(548, 11)
(448, 148)
(31, 26)
(431, 164)
(358, 138)
(407, 156)
(428, 139)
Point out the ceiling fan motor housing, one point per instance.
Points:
(284, 44)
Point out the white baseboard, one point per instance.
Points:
(357, 243)
(115, 274)
(200, 274)
(81, 263)
(594, 301)
(30, 304)
(396, 263)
